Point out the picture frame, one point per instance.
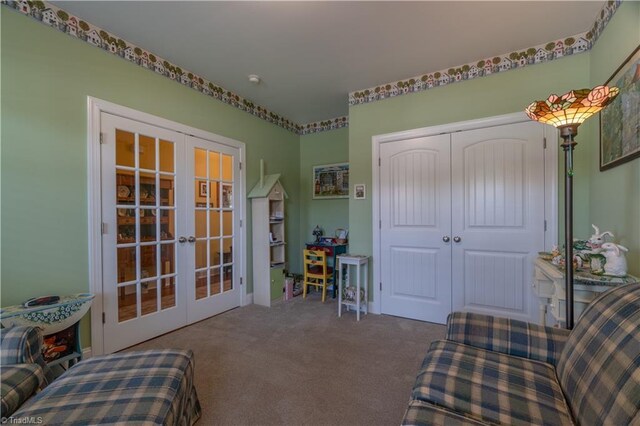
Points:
(202, 188)
(359, 191)
(331, 181)
(620, 121)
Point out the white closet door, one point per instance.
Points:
(143, 287)
(415, 213)
(498, 215)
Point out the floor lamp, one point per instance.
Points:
(566, 113)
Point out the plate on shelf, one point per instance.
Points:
(123, 191)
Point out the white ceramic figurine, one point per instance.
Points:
(597, 239)
(616, 264)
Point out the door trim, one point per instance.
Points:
(95, 107)
(550, 180)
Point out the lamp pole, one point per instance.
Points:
(568, 132)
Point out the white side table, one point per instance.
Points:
(361, 263)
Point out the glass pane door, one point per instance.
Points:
(213, 173)
(140, 212)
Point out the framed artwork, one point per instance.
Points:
(202, 185)
(331, 181)
(620, 121)
(360, 191)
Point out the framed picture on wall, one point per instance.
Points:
(360, 191)
(331, 181)
(620, 121)
(202, 186)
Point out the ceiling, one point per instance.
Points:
(310, 55)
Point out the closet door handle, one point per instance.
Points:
(457, 239)
(192, 239)
(446, 239)
(182, 240)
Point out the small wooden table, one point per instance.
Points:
(361, 263)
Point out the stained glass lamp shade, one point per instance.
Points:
(567, 112)
(573, 107)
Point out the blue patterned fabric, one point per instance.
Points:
(148, 387)
(508, 336)
(599, 369)
(19, 382)
(423, 413)
(491, 386)
(23, 345)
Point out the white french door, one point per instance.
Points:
(461, 221)
(212, 224)
(170, 221)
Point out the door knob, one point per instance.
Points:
(192, 239)
(457, 239)
(182, 240)
(446, 239)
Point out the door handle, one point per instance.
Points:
(457, 239)
(446, 239)
(192, 239)
(182, 240)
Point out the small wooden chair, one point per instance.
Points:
(316, 272)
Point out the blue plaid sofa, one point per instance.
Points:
(154, 387)
(493, 370)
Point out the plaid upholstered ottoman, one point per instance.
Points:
(148, 387)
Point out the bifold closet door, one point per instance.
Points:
(497, 218)
(415, 213)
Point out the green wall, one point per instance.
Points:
(321, 148)
(615, 193)
(46, 78)
(493, 95)
(507, 93)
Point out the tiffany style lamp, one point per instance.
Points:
(567, 112)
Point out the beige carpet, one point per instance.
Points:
(297, 363)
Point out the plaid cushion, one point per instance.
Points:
(152, 387)
(599, 370)
(18, 383)
(491, 386)
(23, 345)
(422, 413)
(508, 336)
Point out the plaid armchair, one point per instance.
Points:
(498, 371)
(22, 368)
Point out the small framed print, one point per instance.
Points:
(360, 191)
(202, 188)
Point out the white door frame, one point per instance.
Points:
(550, 180)
(95, 107)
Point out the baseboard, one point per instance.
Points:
(86, 353)
(373, 308)
(248, 299)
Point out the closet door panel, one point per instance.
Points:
(497, 218)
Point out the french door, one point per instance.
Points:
(169, 229)
(461, 222)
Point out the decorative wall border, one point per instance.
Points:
(63, 21)
(534, 55)
(59, 19)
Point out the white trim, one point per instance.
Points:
(551, 179)
(95, 107)
(87, 353)
(248, 300)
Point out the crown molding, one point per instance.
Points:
(483, 67)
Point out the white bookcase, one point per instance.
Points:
(269, 240)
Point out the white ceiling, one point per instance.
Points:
(310, 55)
